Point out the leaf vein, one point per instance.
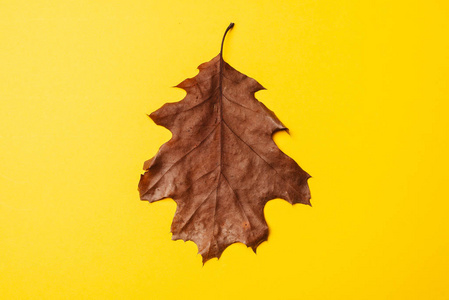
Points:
(238, 200)
(236, 103)
(194, 212)
(182, 157)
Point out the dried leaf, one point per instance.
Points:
(221, 165)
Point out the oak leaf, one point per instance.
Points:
(221, 166)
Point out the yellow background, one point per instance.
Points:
(362, 85)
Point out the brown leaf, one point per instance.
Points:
(221, 165)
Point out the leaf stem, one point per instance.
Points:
(222, 42)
